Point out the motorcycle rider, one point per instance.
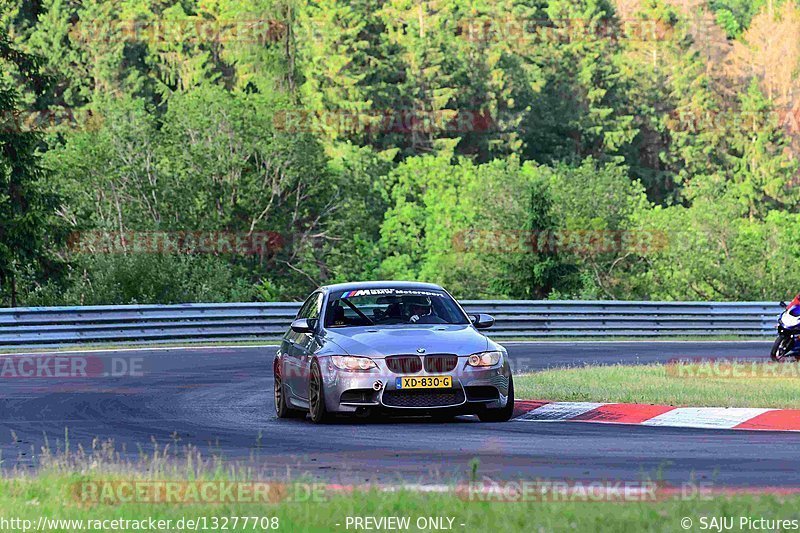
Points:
(785, 345)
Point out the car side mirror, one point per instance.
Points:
(482, 321)
(304, 325)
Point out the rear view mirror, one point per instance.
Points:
(304, 325)
(482, 321)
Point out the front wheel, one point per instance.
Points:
(780, 348)
(282, 409)
(502, 414)
(316, 396)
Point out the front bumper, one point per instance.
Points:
(474, 389)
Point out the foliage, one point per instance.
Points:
(29, 231)
(142, 278)
(467, 227)
(594, 206)
(54, 488)
(736, 13)
(212, 163)
(564, 149)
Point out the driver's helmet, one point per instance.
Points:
(421, 305)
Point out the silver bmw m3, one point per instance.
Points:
(388, 347)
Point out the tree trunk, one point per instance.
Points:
(13, 280)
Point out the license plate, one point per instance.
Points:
(425, 382)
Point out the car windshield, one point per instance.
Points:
(368, 307)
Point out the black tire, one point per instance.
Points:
(316, 396)
(780, 347)
(282, 409)
(503, 414)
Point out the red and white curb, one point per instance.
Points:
(743, 418)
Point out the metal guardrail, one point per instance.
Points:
(41, 326)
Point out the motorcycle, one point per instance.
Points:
(788, 342)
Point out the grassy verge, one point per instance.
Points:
(99, 489)
(622, 338)
(703, 385)
(52, 496)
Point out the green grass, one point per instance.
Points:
(701, 386)
(51, 495)
(627, 338)
(56, 489)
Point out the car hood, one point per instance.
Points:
(394, 340)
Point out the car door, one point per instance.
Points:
(307, 344)
(290, 367)
(295, 375)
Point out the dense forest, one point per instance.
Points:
(239, 150)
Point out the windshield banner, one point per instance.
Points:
(392, 292)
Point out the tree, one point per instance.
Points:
(577, 113)
(761, 170)
(213, 162)
(727, 20)
(738, 260)
(742, 11)
(770, 51)
(470, 227)
(351, 249)
(594, 207)
(342, 64)
(257, 48)
(28, 229)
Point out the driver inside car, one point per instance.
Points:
(339, 318)
(422, 312)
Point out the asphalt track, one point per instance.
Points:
(219, 400)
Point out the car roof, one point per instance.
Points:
(354, 285)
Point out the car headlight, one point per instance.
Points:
(349, 362)
(484, 359)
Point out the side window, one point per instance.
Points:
(316, 306)
(305, 308)
(311, 307)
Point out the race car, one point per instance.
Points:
(390, 348)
